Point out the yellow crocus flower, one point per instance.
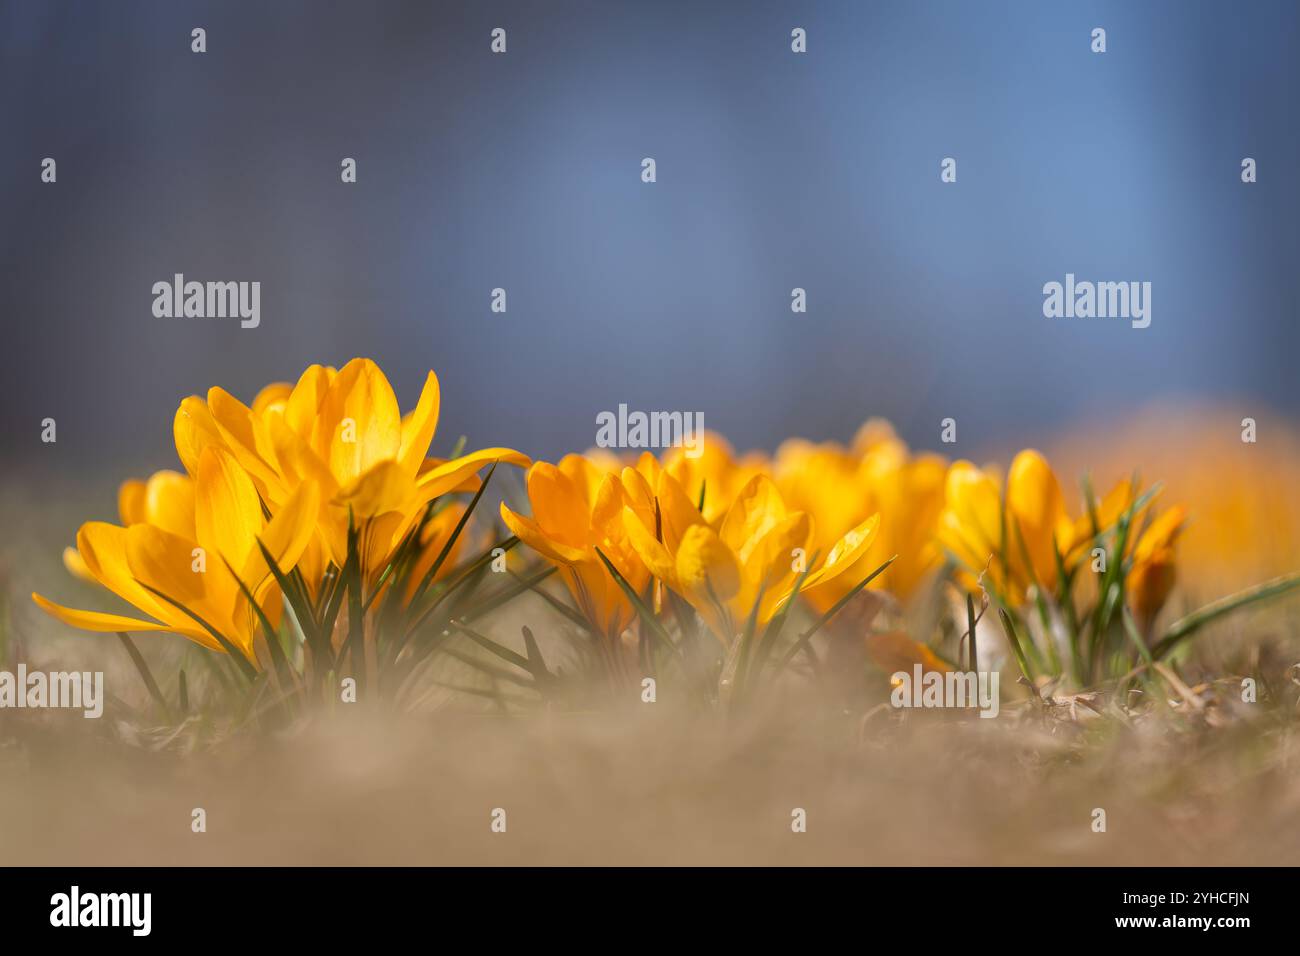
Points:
(749, 564)
(577, 508)
(1018, 533)
(1020, 541)
(840, 488)
(193, 555)
(344, 431)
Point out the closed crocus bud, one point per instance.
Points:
(1149, 584)
(1153, 574)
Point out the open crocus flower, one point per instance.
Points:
(194, 551)
(578, 508)
(840, 488)
(343, 431)
(747, 566)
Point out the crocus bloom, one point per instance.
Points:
(1152, 575)
(841, 487)
(577, 509)
(749, 564)
(197, 557)
(344, 431)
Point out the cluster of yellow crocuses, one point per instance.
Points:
(291, 478)
(327, 473)
(733, 535)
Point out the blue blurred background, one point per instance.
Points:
(522, 171)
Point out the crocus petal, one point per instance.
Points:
(72, 560)
(652, 552)
(559, 508)
(769, 573)
(304, 402)
(527, 531)
(194, 430)
(418, 428)
(1035, 505)
(131, 501)
(169, 502)
(677, 513)
(228, 512)
(449, 476)
(706, 565)
(360, 424)
(274, 396)
(95, 620)
(383, 488)
(757, 509)
(846, 552)
(166, 563)
(244, 437)
(286, 536)
(102, 548)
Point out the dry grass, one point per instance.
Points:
(648, 786)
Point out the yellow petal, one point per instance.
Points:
(297, 461)
(194, 430)
(76, 566)
(286, 536)
(304, 402)
(846, 552)
(169, 502)
(165, 562)
(769, 573)
(95, 620)
(559, 506)
(131, 501)
(677, 513)
(274, 396)
(1160, 533)
(228, 512)
(757, 509)
(527, 531)
(419, 427)
(705, 564)
(607, 508)
(1034, 501)
(585, 474)
(244, 437)
(359, 424)
(102, 548)
(448, 476)
(652, 552)
(972, 522)
(385, 487)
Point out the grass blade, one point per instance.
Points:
(835, 608)
(146, 675)
(1189, 625)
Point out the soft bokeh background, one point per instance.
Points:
(775, 171)
(522, 171)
